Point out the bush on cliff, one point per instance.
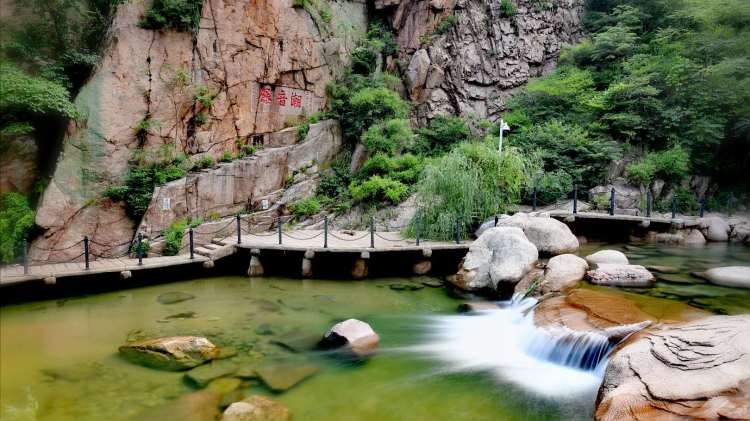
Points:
(180, 15)
(16, 219)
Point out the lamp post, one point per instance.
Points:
(503, 127)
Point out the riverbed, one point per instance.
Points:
(59, 358)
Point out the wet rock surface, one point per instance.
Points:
(619, 275)
(196, 406)
(256, 408)
(281, 376)
(358, 337)
(696, 370)
(728, 276)
(172, 353)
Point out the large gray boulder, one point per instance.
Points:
(173, 353)
(696, 370)
(498, 259)
(550, 236)
(626, 196)
(607, 256)
(617, 275)
(715, 228)
(563, 272)
(728, 276)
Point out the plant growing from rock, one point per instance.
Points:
(446, 24)
(306, 207)
(507, 9)
(180, 15)
(16, 220)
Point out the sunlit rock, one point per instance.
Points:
(172, 353)
(728, 276)
(607, 256)
(256, 408)
(356, 335)
(618, 275)
(563, 271)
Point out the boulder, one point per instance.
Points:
(357, 335)
(626, 195)
(607, 256)
(694, 238)
(728, 276)
(715, 228)
(740, 233)
(696, 370)
(172, 353)
(562, 272)
(256, 408)
(550, 236)
(496, 260)
(617, 275)
(204, 374)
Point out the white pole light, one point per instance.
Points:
(503, 127)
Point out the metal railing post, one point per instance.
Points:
(458, 231)
(674, 207)
(417, 227)
(533, 199)
(372, 232)
(86, 250)
(325, 232)
(649, 203)
(25, 256)
(192, 250)
(278, 228)
(575, 198)
(497, 219)
(612, 202)
(703, 206)
(239, 230)
(140, 249)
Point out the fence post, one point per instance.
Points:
(497, 219)
(575, 198)
(279, 223)
(325, 232)
(533, 199)
(703, 206)
(140, 248)
(674, 207)
(417, 227)
(458, 231)
(372, 232)
(25, 256)
(612, 202)
(239, 230)
(190, 234)
(649, 203)
(86, 249)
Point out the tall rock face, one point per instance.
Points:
(474, 64)
(263, 63)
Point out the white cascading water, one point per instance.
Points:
(507, 343)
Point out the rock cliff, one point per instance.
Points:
(263, 63)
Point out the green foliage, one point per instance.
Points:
(469, 184)
(207, 161)
(376, 190)
(507, 9)
(203, 96)
(306, 207)
(553, 186)
(180, 15)
(671, 165)
(405, 168)
(640, 173)
(304, 128)
(116, 193)
(173, 237)
(16, 220)
(389, 136)
(201, 118)
(446, 24)
(440, 135)
(226, 157)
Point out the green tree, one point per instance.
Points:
(16, 219)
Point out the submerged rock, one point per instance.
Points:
(562, 272)
(617, 275)
(172, 353)
(405, 286)
(697, 370)
(496, 261)
(728, 276)
(174, 297)
(607, 256)
(197, 406)
(662, 269)
(297, 341)
(203, 375)
(284, 375)
(256, 408)
(356, 335)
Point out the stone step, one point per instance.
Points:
(211, 246)
(218, 241)
(204, 251)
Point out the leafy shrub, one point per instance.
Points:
(470, 183)
(226, 157)
(377, 189)
(203, 96)
(201, 118)
(446, 24)
(144, 248)
(304, 128)
(207, 161)
(173, 237)
(507, 9)
(306, 207)
(671, 165)
(440, 135)
(405, 168)
(554, 186)
(376, 104)
(389, 136)
(180, 15)
(116, 193)
(640, 173)
(16, 220)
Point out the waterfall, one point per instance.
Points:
(507, 344)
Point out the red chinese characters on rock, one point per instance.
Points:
(265, 95)
(281, 98)
(296, 101)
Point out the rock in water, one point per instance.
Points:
(562, 272)
(496, 261)
(283, 376)
(172, 353)
(203, 375)
(256, 408)
(197, 406)
(728, 276)
(356, 334)
(615, 275)
(715, 228)
(550, 236)
(697, 370)
(607, 256)
(174, 297)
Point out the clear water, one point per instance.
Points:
(59, 361)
